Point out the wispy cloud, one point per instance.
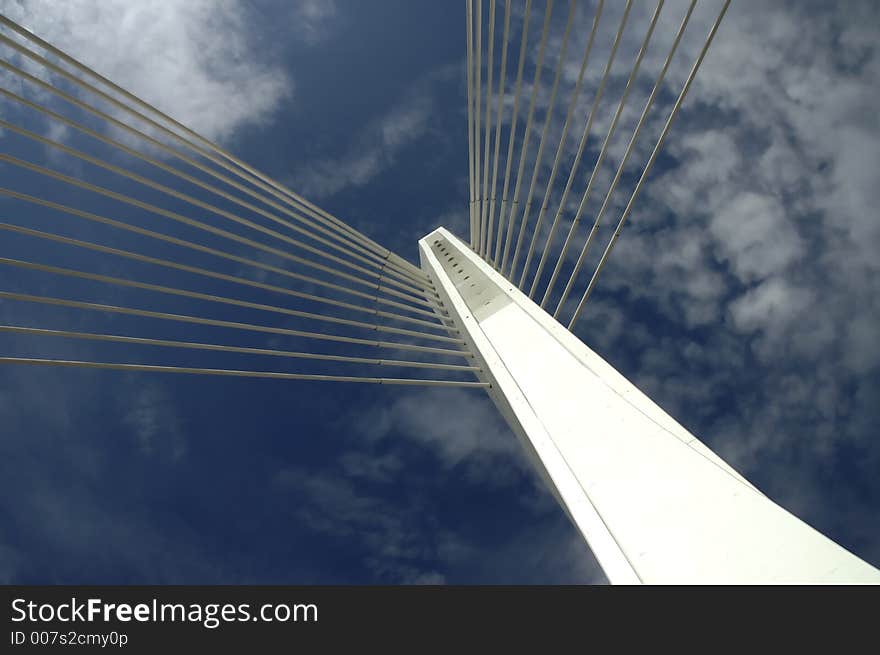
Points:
(153, 422)
(473, 436)
(469, 442)
(374, 148)
(314, 18)
(397, 544)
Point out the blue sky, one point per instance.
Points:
(742, 297)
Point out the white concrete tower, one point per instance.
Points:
(653, 502)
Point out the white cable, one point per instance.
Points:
(558, 158)
(253, 176)
(470, 102)
(484, 198)
(165, 263)
(489, 255)
(511, 137)
(213, 347)
(200, 225)
(640, 183)
(152, 368)
(228, 256)
(380, 264)
(581, 146)
(539, 67)
(248, 327)
(235, 302)
(599, 160)
(478, 48)
(548, 118)
(174, 171)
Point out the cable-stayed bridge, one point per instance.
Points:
(222, 246)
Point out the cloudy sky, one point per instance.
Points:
(743, 296)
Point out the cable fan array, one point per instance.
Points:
(124, 229)
(533, 254)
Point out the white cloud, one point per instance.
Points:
(193, 59)
(755, 236)
(774, 304)
(786, 180)
(472, 435)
